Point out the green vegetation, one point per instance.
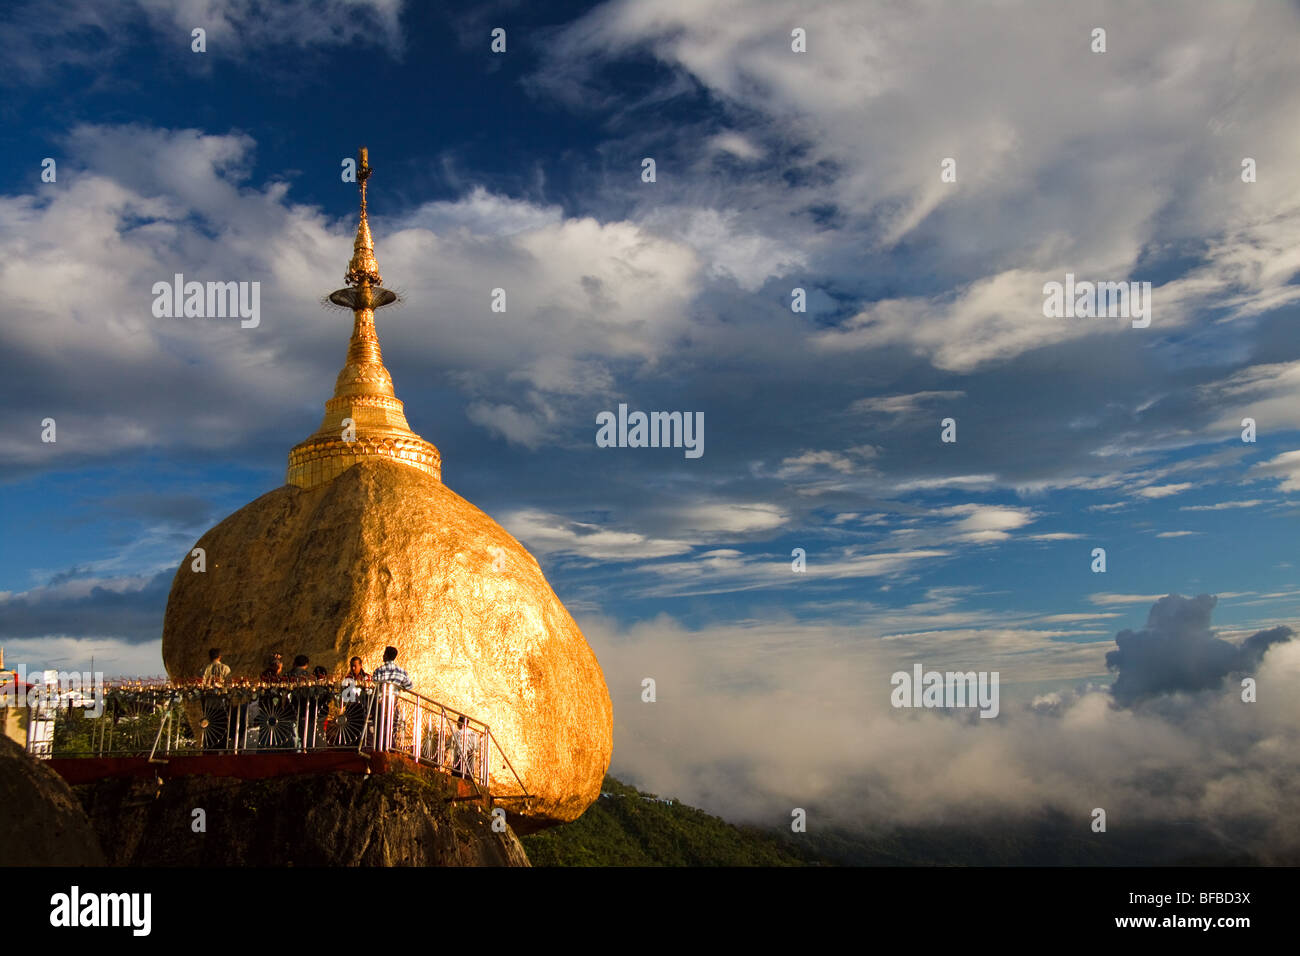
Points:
(73, 732)
(626, 829)
(631, 828)
(119, 731)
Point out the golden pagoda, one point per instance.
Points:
(365, 417)
(363, 547)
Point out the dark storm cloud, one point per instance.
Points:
(132, 614)
(1177, 651)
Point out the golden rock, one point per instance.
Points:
(385, 554)
(366, 547)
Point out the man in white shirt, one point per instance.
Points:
(216, 672)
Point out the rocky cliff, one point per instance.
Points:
(41, 823)
(319, 819)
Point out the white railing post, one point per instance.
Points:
(416, 713)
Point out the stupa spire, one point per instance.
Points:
(364, 267)
(364, 418)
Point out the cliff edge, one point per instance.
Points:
(318, 819)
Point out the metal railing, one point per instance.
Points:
(160, 720)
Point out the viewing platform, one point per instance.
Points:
(257, 729)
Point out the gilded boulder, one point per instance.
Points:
(387, 554)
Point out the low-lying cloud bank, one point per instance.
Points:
(753, 721)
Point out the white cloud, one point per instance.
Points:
(1269, 393)
(925, 766)
(581, 294)
(984, 518)
(970, 482)
(905, 405)
(729, 571)
(735, 144)
(527, 428)
(808, 460)
(554, 535)
(1162, 491)
(1105, 598)
(729, 248)
(1122, 184)
(729, 518)
(1285, 466)
(1224, 505)
(481, 214)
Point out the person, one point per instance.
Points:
(215, 727)
(216, 672)
(320, 673)
(392, 714)
(353, 681)
(273, 667)
(465, 741)
(300, 671)
(389, 673)
(352, 709)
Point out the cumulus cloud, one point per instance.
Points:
(581, 294)
(999, 250)
(1177, 651)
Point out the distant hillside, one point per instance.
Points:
(631, 828)
(626, 827)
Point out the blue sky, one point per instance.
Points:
(775, 170)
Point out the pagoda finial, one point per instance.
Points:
(364, 268)
(365, 284)
(364, 419)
